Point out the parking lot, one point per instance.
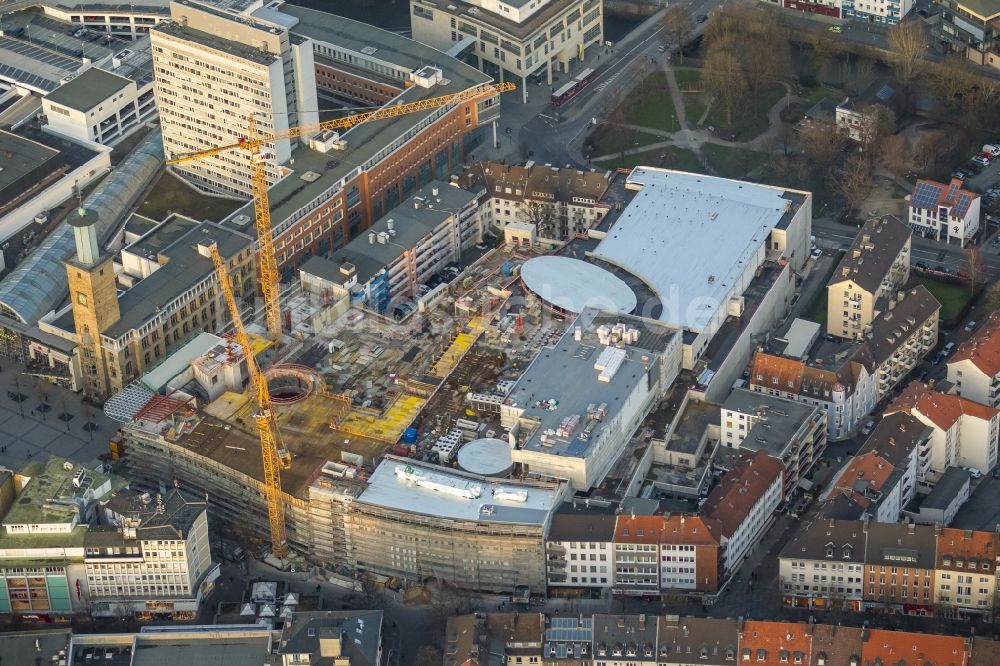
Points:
(986, 178)
(982, 511)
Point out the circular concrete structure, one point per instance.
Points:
(486, 457)
(289, 383)
(570, 285)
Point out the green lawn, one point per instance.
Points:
(732, 162)
(952, 297)
(694, 107)
(821, 92)
(688, 78)
(672, 158)
(649, 104)
(605, 142)
(169, 195)
(748, 121)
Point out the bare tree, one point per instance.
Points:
(723, 77)
(896, 153)
(372, 592)
(678, 24)
(854, 181)
(824, 47)
(907, 47)
(427, 655)
(879, 123)
(822, 142)
(973, 266)
(991, 303)
(952, 78)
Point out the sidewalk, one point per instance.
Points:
(49, 421)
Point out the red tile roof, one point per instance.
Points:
(669, 529)
(737, 492)
(942, 409)
(983, 348)
(775, 643)
(966, 545)
(903, 647)
(870, 468)
(946, 194)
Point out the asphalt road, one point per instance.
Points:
(834, 235)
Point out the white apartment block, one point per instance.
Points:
(879, 12)
(823, 565)
(578, 548)
(104, 105)
(152, 557)
(214, 70)
(944, 211)
(974, 368)
(875, 267)
(846, 393)
(965, 433)
(744, 502)
(792, 431)
(513, 39)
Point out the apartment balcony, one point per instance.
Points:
(625, 559)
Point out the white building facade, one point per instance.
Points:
(98, 118)
(944, 212)
(214, 70)
(512, 40)
(879, 13)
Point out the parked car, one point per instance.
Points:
(960, 174)
(948, 349)
(867, 428)
(836, 28)
(991, 149)
(971, 325)
(975, 473)
(921, 265)
(816, 253)
(981, 160)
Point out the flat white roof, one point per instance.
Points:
(180, 360)
(407, 485)
(689, 237)
(488, 456)
(801, 334)
(573, 284)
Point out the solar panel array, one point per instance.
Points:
(570, 630)
(926, 195)
(41, 55)
(964, 201)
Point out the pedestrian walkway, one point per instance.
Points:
(48, 421)
(693, 139)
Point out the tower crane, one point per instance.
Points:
(267, 424)
(256, 143)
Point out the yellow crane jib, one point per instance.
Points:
(255, 140)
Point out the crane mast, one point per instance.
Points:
(267, 425)
(256, 144)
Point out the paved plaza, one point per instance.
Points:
(47, 421)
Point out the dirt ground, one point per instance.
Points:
(886, 199)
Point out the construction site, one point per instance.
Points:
(346, 390)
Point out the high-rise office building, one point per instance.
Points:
(220, 66)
